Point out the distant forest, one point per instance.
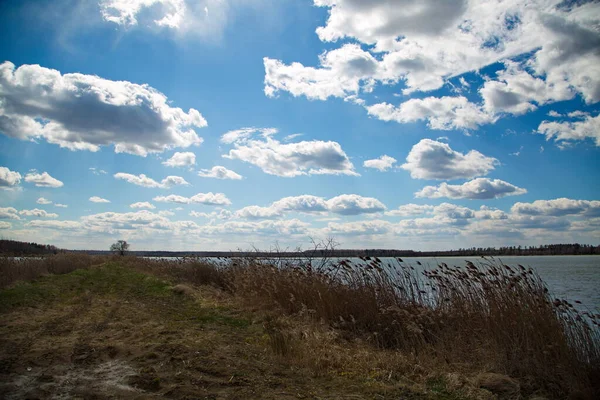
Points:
(16, 248)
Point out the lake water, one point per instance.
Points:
(567, 277)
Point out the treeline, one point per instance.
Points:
(542, 250)
(16, 248)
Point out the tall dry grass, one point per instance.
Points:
(14, 269)
(490, 317)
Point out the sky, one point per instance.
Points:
(239, 124)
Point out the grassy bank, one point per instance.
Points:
(334, 331)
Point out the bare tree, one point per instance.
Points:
(121, 247)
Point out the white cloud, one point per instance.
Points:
(142, 204)
(219, 172)
(515, 91)
(9, 179)
(343, 73)
(345, 204)
(410, 210)
(210, 198)
(50, 224)
(485, 212)
(290, 159)
(220, 214)
(110, 221)
(8, 213)
(43, 200)
(373, 227)
(36, 212)
(558, 208)
(304, 203)
(242, 135)
(443, 113)
(270, 228)
(96, 199)
(376, 20)
(569, 131)
(166, 213)
(60, 205)
(5, 225)
(382, 163)
(430, 159)
(143, 180)
(480, 189)
(257, 212)
(43, 180)
(97, 171)
(554, 114)
(420, 45)
(352, 204)
(186, 159)
(84, 112)
(206, 19)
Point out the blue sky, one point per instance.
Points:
(226, 124)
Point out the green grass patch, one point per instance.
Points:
(109, 279)
(114, 281)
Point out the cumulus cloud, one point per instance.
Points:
(345, 204)
(515, 91)
(430, 159)
(9, 179)
(219, 172)
(220, 214)
(486, 212)
(84, 112)
(8, 213)
(60, 205)
(204, 19)
(96, 199)
(570, 131)
(142, 204)
(36, 212)
(290, 159)
(558, 208)
(210, 198)
(186, 159)
(143, 180)
(343, 73)
(5, 225)
(480, 189)
(410, 210)
(43, 200)
(353, 204)
(421, 45)
(382, 163)
(372, 227)
(442, 113)
(43, 180)
(51, 224)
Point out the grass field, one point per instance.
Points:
(136, 328)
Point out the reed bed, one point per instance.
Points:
(490, 316)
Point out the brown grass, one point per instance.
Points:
(485, 318)
(14, 269)
(489, 317)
